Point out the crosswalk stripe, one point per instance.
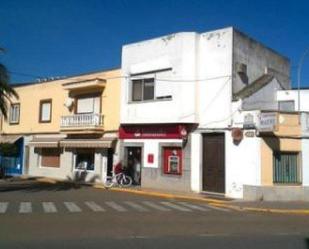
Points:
(94, 206)
(136, 206)
(115, 206)
(175, 206)
(72, 207)
(192, 206)
(155, 206)
(49, 207)
(3, 207)
(25, 207)
(217, 208)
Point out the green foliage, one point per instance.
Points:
(8, 150)
(6, 91)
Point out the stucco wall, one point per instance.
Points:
(286, 139)
(152, 173)
(30, 96)
(66, 170)
(176, 52)
(292, 95)
(257, 56)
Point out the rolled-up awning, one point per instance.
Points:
(9, 139)
(88, 143)
(45, 142)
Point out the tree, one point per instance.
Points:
(6, 91)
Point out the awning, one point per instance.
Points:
(88, 143)
(9, 139)
(45, 142)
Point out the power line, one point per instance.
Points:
(26, 74)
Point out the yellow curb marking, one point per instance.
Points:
(163, 195)
(264, 210)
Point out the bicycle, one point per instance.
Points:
(120, 179)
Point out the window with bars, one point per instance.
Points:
(286, 168)
(143, 89)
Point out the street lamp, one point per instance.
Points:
(300, 64)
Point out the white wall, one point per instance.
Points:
(214, 95)
(305, 148)
(286, 95)
(243, 164)
(178, 52)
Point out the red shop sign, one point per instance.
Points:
(152, 131)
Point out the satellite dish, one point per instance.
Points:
(69, 102)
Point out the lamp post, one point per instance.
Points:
(300, 65)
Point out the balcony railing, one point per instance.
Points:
(82, 120)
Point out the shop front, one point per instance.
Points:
(157, 156)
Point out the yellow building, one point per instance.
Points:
(65, 128)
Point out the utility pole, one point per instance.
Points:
(300, 64)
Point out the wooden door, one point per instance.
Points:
(214, 162)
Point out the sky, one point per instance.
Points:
(49, 38)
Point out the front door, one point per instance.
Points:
(134, 163)
(214, 162)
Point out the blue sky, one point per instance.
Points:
(46, 38)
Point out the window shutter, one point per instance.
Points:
(85, 105)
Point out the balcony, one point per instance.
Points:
(82, 123)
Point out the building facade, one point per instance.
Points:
(180, 101)
(68, 127)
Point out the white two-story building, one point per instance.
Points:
(181, 98)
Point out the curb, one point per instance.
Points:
(263, 210)
(159, 194)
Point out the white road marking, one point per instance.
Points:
(155, 206)
(192, 206)
(175, 206)
(217, 208)
(136, 206)
(49, 207)
(3, 207)
(94, 206)
(25, 207)
(115, 206)
(72, 207)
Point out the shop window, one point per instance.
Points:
(143, 89)
(50, 157)
(172, 160)
(14, 113)
(45, 111)
(84, 159)
(286, 168)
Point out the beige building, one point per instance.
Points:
(65, 128)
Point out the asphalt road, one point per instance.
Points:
(68, 216)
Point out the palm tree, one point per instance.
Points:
(6, 91)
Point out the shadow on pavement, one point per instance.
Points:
(34, 186)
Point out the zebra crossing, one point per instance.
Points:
(105, 206)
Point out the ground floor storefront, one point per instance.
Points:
(76, 158)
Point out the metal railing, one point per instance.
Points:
(81, 120)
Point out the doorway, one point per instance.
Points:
(214, 162)
(133, 166)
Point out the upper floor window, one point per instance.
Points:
(14, 113)
(287, 105)
(90, 103)
(143, 89)
(45, 111)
